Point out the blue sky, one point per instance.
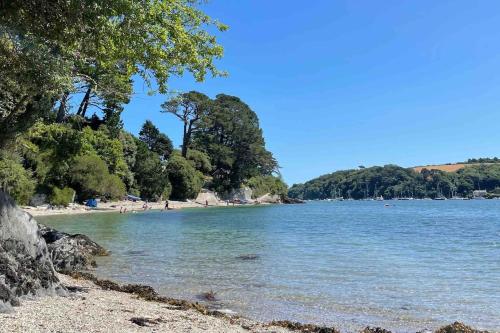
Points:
(337, 84)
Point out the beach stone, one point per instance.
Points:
(71, 252)
(458, 327)
(25, 265)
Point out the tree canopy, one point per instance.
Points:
(392, 181)
(49, 50)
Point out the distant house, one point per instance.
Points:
(479, 193)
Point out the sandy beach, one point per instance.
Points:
(115, 206)
(92, 309)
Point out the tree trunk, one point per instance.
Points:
(185, 141)
(61, 112)
(85, 103)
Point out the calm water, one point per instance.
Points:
(415, 265)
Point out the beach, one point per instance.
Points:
(89, 308)
(115, 206)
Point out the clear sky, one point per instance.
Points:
(337, 84)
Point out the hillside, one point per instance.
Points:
(392, 181)
(449, 167)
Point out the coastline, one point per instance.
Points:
(114, 207)
(93, 305)
(89, 308)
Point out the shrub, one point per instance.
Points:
(15, 180)
(199, 160)
(113, 187)
(88, 176)
(61, 197)
(261, 185)
(186, 181)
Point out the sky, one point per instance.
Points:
(338, 84)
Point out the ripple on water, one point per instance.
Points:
(419, 264)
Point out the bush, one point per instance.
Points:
(15, 180)
(261, 185)
(113, 187)
(199, 160)
(186, 181)
(61, 197)
(88, 176)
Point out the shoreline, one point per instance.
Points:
(114, 207)
(94, 305)
(88, 307)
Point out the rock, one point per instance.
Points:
(241, 194)
(288, 200)
(269, 198)
(38, 199)
(25, 265)
(369, 329)
(147, 322)
(250, 256)
(295, 326)
(71, 252)
(458, 327)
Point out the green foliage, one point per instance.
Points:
(61, 197)
(230, 134)
(113, 187)
(185, 179)
(262, 185)
(15, 180)
(49, 50)
(200, 161)
(392, 181)
(90, 176)
(190, 108)
(151, 178)
(155, 140)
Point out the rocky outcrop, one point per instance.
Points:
(240, 194)
(288, 200)
(25, 265)
(269, 198)
(458, 327)
(71, 252)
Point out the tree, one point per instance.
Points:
(155, 140)
(15, 180)
(189, 108)
(231, 136)
(88, 174)
(186, 181)
(151, 178)
(46, 47)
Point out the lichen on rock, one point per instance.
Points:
(25, 264)
(71, 252)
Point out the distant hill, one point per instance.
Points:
(392, 181)
(449, 167)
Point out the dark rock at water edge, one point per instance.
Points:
(71, 252)
(288, 200)
(250, 256)
(25, 265)
(458, 327)
(369, 329)
(296, 326)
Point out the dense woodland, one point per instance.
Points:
(392, 181)
(67, 70)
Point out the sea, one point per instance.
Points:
(406, 266)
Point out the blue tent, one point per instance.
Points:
(91, 203)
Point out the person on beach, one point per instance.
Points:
(121, 207)
(206, 203)
(166, 205)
